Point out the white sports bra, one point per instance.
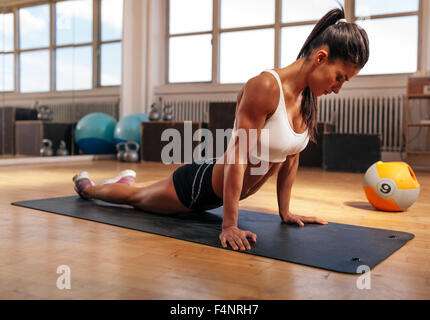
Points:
(279, 140)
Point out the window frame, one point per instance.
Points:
(4, 11)
(95, 44)
(349, 6)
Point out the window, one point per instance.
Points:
(6, 72)
(187, 16)
(292, 40)
(74, 22)
(306, 10)
(34, 27)
(247, 13)
(190, 41)
(34, 38)
(230, 41)
(111, 48)
(79, 50)
(190, 58)
(34, 71)
(110, 71)
(6, 32)
(245, 54)
(387, 27)
(298, 22)
(73, 68)
(366, 8)
(7, 62)
(74, 34)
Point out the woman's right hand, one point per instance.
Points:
(236, 238)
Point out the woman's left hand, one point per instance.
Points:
(301, 220)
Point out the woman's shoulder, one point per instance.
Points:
(263, 90)
(265, 81)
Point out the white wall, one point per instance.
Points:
(425, 37)
(29, 99)
(133, 56)
(143, 54)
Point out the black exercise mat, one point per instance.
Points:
(336, 247)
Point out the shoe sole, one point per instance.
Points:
(120, 176)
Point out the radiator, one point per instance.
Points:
(73, 112)
(190, 110)
(367, 115)
(356, 115)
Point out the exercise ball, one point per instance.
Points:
(391, 186)
(94, 134)
(129, 128)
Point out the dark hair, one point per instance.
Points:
(346, 42)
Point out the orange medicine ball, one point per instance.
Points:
(391, 186)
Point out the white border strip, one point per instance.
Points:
(55, 159)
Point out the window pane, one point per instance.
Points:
(34, 27)
(74, 21)
(7, 72)
(34, 71)
(386, 56)
(244, 13)
(190, 16)
(292, 40)
(6, 32)
(190, 59)
(111, 19)
(111, 64)
(74, 68)
(307, 10)
(364, 8)
(245, 54)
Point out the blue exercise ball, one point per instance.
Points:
(94, 134)
(129, 128)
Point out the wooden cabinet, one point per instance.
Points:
(418, 89)
(312, 156)
(181, 136)
(8, 118)
(221, 118)
(350, 152)
(30, 134)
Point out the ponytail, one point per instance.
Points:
(346, 41)
(328, 20)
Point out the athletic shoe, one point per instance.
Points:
(81, 182)
(125, 177)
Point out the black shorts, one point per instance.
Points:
(193, 185)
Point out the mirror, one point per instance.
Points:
(57, 82)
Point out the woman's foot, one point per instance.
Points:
(125, 177)
(82, 181)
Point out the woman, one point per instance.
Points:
(283, 102)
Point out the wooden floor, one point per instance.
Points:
(109, 262)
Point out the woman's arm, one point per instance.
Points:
(286, 177)
(255, 102)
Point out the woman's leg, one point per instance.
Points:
(159, 197)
